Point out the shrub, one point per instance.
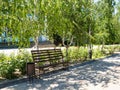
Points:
(97, 53)
(76, 54)
(118, 48)
(8, 64)
(3, 57)
(8, 69)
(115, 48)
(73, 53)
(83, 53)
(23, 57)
(109, 49)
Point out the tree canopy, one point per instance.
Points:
(83, 21)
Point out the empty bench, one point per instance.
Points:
(48, 60)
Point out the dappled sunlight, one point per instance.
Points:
(96, 75)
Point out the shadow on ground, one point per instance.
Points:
(78, 77)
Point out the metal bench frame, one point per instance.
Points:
(48, 58)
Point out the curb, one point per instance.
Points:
(83, 63)
(13, 82)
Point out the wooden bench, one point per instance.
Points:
(48, 60)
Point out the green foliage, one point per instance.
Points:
(81, 53)
(117, 48)
(106, 24)
(23, 57)
(8, 69)
(97, 53)
(77, 54)
(83, 20)
(111, 49)
(3, 57)
(9, 65)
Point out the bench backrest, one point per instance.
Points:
(47, 55)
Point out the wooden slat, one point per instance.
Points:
(48, 57)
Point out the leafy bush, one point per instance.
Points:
(73, 53)
(23, 57)
(3, 57)
(116, 47)
(8, 64)
(81, 53)
(7, 69)
(109, 49)
(76, 54)
(97, 53)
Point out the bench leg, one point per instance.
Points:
(40, 69)
(30, 79)
(66, 66)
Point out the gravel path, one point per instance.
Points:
(102, 74)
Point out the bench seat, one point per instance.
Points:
(48, 58)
